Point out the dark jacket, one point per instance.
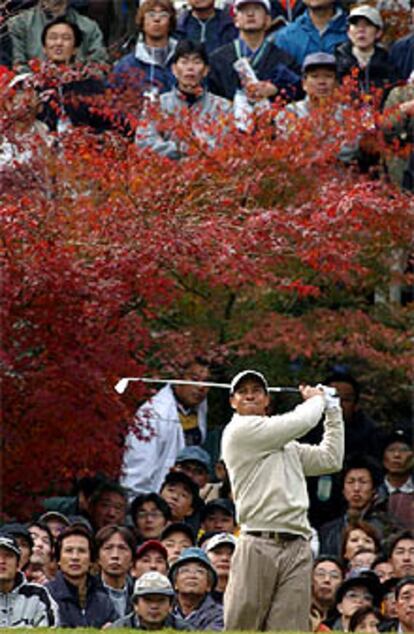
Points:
(208, 615)
(379, 72)
(132, 621)
(214, 32)
(98, 610)
(274, 65)
(286, 14)
(402, 55)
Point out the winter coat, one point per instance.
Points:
(26, 29)
(402, 55)
(208, 615)
(270, 63)
(301, 37)
(27, 605)
(218, 30)
(147, 462)
(398, 125)
(140, 70)
(98, 610)
(378, 73)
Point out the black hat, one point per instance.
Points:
(174, 477)
(181, 527)
(367, 579)
(15, 529)
(9, 543)
(402, 435)
(222, 504)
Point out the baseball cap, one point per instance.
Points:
(194, 453)
(265, 4)
(368, 580)
(174, 477)
(221, 539)
(248, 373)
(153, 582)
(189, 555)
(178, 527)
(9, 542)
(151, 544)
(398, 435)
(369, 13)
(222, 504)
(314, 60)
(54, 515)
(16, 529)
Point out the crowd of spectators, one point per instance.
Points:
(149, 554)
(211, 60)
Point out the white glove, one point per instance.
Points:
(331, 396)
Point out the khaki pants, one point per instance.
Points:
(269, 586)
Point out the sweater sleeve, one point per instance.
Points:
(327, 457)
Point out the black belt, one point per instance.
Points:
(277, 537)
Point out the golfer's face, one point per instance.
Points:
(250, 398)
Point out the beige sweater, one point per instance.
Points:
(267, 466)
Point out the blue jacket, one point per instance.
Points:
(402, 55)
(140, 70)
(98, 610)
(301, 37)
(208, 615)
(214, 32)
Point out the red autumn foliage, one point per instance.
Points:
(117, 262)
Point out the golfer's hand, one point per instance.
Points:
(308, 392)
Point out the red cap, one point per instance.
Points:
(151, 544)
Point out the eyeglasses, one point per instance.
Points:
(153, 515)
(332, 574)
(354, 596)
(162, 15)
(199, 571)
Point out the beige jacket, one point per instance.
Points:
(267, 466)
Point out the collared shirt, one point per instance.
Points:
(407, 487)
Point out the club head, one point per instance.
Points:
(121, 386)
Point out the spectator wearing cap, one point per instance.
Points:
(196, 463)
(24, 541)
(152, 604)
(26, 30)
(82, 600)
(41, 565)
(401, 554)
(275, 71)
(148, 68)
(182, 496)
(219, 515)
(327, 576)
(56, 522)
(193, 578)
(176, 537)
(151, 555)
(362, 55)
(203, 22)
(319, 29)
(398, 484)
(22, 604)
(356, 592)
(116, 547)
(265, 463)
(220, 549)
(150, 514)
(361, 475)
(108, 505)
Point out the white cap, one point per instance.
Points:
(369, 13)
(220, 539)
(244, 374)
(153, 582)
(265, 4)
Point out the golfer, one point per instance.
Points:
(269, 586)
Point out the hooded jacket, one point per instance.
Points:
(218, 30)
(301, 37)
(27, 605)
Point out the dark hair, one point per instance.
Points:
(333, 559)
(159, 502)
(149, 5)
(360, 461)
(77, 33)
(344, 377)
(82, 531)
(44, 527)
(362, 526)
(379, 559)
(110, 486)
(405, 534)
(360, 614)
(405, 581)
(183, 48)
(106, 532)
